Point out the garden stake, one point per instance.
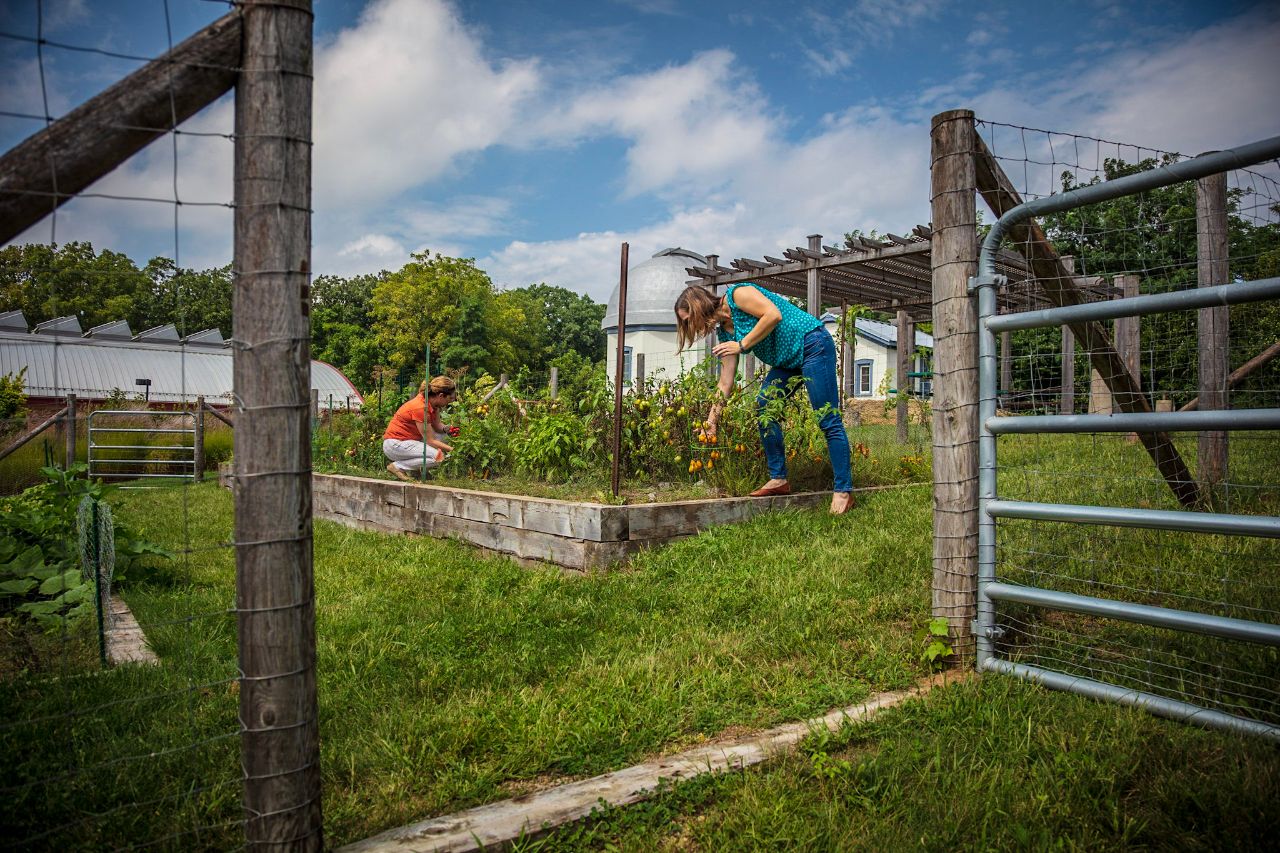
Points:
(426, 390)
(617, 370)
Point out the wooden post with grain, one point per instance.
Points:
(905, 349)
(955, 389)
(1211, 269)
(71, 430)
(1067, 402)
(813, 283)
(275, 591)
(198, 461)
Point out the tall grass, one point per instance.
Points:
(991, 765)
(449, 679)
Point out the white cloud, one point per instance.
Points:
(1208, 89)
(860, 171)
(834, 34)
(701, 120)
(401, 96)
(372, 245)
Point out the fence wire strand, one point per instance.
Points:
(1154, 242)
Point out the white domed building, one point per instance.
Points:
(652, 289)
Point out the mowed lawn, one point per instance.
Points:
(449, 679)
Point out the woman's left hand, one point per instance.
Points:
(727, 348)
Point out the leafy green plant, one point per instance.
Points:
(552, 445)
(40, 573)
(937, 635)
(13, 395)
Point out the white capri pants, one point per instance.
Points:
(407, 455)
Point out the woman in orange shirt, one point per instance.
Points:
(413, 436)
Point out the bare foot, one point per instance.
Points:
(841, 502)
(402, 475)
(773, 487)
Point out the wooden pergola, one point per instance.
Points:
(890, 275)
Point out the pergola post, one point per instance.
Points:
(955, 402)
(814, 299)
(906, 348)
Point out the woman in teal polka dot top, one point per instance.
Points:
(750, 318)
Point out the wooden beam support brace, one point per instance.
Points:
(1056, 282)
(49, 168)
(1242, 372)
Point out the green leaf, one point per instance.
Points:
(935, 650)
(22, 586)
(61, 582)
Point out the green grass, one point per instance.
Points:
(448, 679)
(991, 765)
(1229, 576)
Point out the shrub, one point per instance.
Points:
(40, 575)
(13, 395)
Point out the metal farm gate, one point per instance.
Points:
(118, 449)
(1248, 683)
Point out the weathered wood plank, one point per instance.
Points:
(126, 643)
(493, 521)
(683, 518)
(496, 825)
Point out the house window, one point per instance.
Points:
(626, 367)
(862, 378)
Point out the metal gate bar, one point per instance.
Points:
(986, 284)
(97, 461)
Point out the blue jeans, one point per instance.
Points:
(819, 371)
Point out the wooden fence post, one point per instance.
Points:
(1129, 337)
(198, 464)
(554, 387)
(275, 597)
(639, 382)
(71, 430)
(1067, 402)
(1214, 326)
(955, 391)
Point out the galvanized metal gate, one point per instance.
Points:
(117, 450)
(991, 593)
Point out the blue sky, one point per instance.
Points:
(536, 136)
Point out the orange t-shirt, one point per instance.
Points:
(404, 423)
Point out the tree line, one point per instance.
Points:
(1153, 235)
(374, 328)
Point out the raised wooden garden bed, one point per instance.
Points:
(568, 533)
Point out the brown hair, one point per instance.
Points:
(439, 385)
(702, 306)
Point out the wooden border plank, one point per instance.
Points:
(496, 825)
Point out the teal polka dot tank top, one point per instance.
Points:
(784, 346)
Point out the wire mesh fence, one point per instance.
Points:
(1155, 242)
(119, 720)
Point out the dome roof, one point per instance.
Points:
(652, 288)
